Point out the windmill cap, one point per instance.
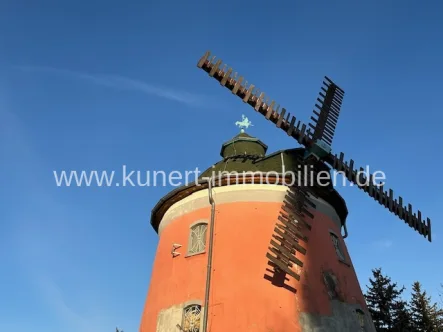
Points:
(243, 144)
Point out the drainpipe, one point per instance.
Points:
(209, 268)
(345, 229)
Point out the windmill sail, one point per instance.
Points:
(330, 100)
(252, 96)
(323, 130)
(382, 196)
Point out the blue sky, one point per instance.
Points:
(96, 85)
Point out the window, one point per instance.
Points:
(197, 238)
(331, 284)
(191, 318)
(361, 318)
(336, 243)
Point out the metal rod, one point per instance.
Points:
(346, 230)
(209, 268)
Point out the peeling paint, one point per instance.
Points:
(344, 318)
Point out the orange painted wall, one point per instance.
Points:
(241, 298)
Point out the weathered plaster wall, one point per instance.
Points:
(343, 318)
(169, 318)
(242, 297)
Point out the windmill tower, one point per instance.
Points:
(237, 253)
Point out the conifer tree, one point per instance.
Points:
(426, 316)
(440, 294)
(402, 318)
(384, 303)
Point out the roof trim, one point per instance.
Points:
(243, 139)
(179, 193)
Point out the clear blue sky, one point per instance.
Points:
(80, 87)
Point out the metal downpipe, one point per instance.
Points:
(209, 267)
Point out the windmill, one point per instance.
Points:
(317, 139)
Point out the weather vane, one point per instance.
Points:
(244, 123)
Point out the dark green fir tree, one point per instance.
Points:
(402, 317)
(426, 316)
(384, 303)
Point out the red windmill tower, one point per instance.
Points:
(263, 255)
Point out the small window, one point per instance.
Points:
(197, 238)
(361, 318)
(331, 284)
(336, 243)
(191, 318)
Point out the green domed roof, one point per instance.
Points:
(244, 153)
(243, 144)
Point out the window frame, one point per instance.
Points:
(190, 243)
(339, 247)
(361, 318)
(188, 304)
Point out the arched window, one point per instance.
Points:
(336, 243)
(197, 238)
(361, 318)
(191, 318)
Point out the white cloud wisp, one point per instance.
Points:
(124, 83)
